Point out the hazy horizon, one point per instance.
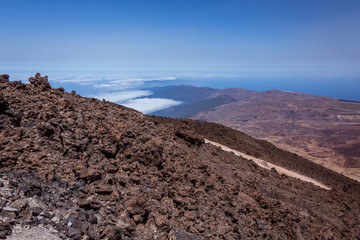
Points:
(100, 47)
(132, 89)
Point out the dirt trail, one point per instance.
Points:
(267, 165)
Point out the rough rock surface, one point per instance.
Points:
(264, 150)
(92, 169)
(39, 81)
(4, 78)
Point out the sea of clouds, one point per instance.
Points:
(126, 89)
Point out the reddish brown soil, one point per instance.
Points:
(97, 170)
(264, 150)
(324, 130)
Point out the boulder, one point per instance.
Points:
(3, 104)
(39, 81)
(4, 78)
(5, 229)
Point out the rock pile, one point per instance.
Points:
(41, 82)
(95, 170)
(4, 78)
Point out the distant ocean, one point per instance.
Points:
(347, 88)
(130, 88)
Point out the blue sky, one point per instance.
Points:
(180, 35)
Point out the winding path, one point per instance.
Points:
(269, 166)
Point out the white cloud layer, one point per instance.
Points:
(128, 83)
(111, 81)
(149, 105)
(122, 96)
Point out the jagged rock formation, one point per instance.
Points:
(4, 78)
(96, 170)
(40, 82)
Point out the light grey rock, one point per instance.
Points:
(10, 209)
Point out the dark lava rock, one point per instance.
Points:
(20, 205)
(103, 190)
(3, 104)
(5, 229)
(90, 174)
(36, 211)
(74, 233)
(180, 234)
(4, 78)
(97, 170)
(189, 136)
(91, 218)
(39, 81)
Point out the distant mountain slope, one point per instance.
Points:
(190, 109)
(322, 129)
(93, 169)
(182, 93)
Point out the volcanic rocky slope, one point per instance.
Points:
(264, 150)
(92, 169)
